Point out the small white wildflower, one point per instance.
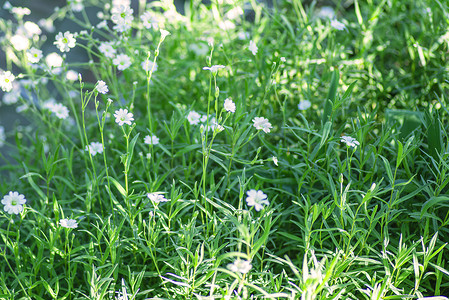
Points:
(257, 199)
(150, 20)
(13, 96)
(94, 148)
(214, 126)
(275, 160)
(234, 13)
(21, 11)
(109, 101)
(349, 141)
(283, 59)
(102, 87)
(262, 123)
(326, 12)
(122, 61)
(54, 62)
(107, 49)
(20, 42)
(229, 105)
(13, 202)
(122, 116)
(337, 24)
(253, 47)
(122, 16)
(164, 33)
(304, 104)
(193, 117)
(7, 5)
(30, 29)
(147, 65)
(47, 24)
(240, 266)
(76, 5)
(151, 140)
(102, 24)
(68, 223)
(71, 76)
(61, 111)
(214, 69)
(34, 55)
(65, 41)
(157, 197)
(6, 80)
(226, 25)
(243, 35)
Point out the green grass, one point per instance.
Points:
(365, 222)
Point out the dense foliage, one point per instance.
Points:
(237, 150)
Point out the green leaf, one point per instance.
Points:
(327, 113)
(432, 202)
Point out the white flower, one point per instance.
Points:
(31, 29)
(214, 69)
(349, 141)
(234, 13)
(107, 49)
(326, 12)
(60, 110)
(164, 33)
(65, 41)
(95, 147)
(122, 116)
(117, 3)
(76, 5)
(68, 223)
(256, 199)
(157, 197)
(13, 96)
(147, 65)
(151, 140)
(21, 11)
(7, 5)
(275, 160)
(193, 117)
(240, 266)
(243, 35)
(304, 104)
(47, 24)
(13, 202)
(54, 62)
(150, 20)
(122, 61)
(203, 119)
(337, 24)
(283, 59)
(102, 24)
(262, 123)
(20, 42)
(102, 87)
(226, 25)
(71, 75)
(6, 80)
(122, 16)
(2, 136)
(229, 105)
(253, 47)
(213, 125)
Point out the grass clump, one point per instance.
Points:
(238, 150)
